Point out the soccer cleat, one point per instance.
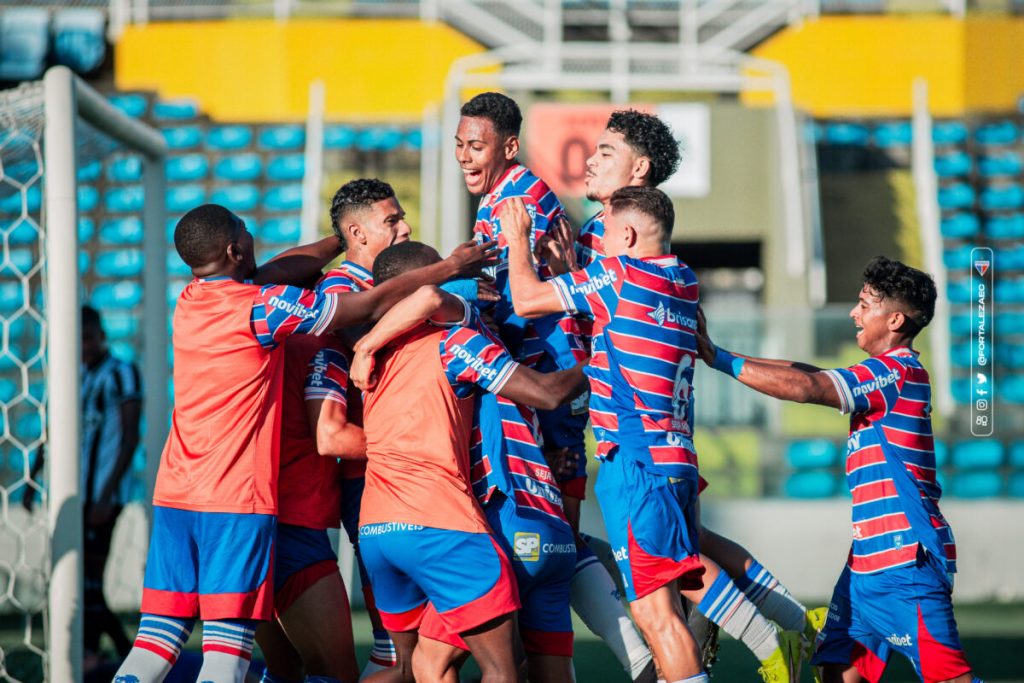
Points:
(783, 666)
(816, 619)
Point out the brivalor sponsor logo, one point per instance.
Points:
(663, 314)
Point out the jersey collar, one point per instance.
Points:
(357, 270)
(902, 351)
(664, 260)
(513, 169)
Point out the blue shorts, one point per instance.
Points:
(465, 576)
(211, 565)
(652, 526)
(907, 610)
(351, 501)
(302, 557)
(543, 553)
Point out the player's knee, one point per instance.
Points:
(656, 619)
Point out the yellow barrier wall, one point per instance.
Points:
(864, 66)
(260, 70)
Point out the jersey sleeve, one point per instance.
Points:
(540, 221)
(282, 310)
(125, 384)
(339, 281)
(327, 377)
(469, 315)
(869, 387)
(475, 357)
(593, 291)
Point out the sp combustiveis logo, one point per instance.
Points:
(526, 546)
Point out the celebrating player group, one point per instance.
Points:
(434, 408)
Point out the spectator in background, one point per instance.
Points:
(111, 407)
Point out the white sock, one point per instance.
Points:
(595, 599)
(772, 598)
(727, 606)
(157, 646)
(699, 678)
(227, 650)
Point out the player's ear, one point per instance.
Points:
(641, 169)
(356, 234)
(896, 321)
(234, 253)
(511, 147)
(631, 236)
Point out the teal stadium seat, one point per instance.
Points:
(976, 485)
(187, 168)
(1015, 485)
(1002, 198)
(30, 199)
(283, 198)
(957, 258)
(379, 139)
(24, 43)
(978, 454)
(339, 137)
(949, 133)
(130, 104)
(1011, 388)
(89, 171)
(1010, 355)
(242, 167)
(961, 390)
(953, 164)
(1010, 322)
(842, 133)
(8, 389)
(960, 355)
(959, 291)
(893, 134)
(998, 133)
(1010, 258)
(17, 262)
(1008, 227)
(282, 138)
(960, 324)
(78, 39)
(22, 172)
(22, 231)
(182, 198)
(414, 139)
(125, 351)
(122, 231)
(28, 428)
(238, 198)
(284, 230)
(956, 196)
(174, 289)
(125, 170)
(120, 326)
(124, 199)
(117, 295)
(812, 453)
(88, 198)
(176, 267)
(226, 138)
(1015, 459)
(182, 137)
(811, 484)
(175, 110)
(84, 261)
(86, 229)
(1009, 291)
(941, 453)
(286, 168)
(960, 226)
(1000, 164)
(121, 263)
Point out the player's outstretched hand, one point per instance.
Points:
(361, 370)
(705, 347)
(485, 291)
(515, 221)
(563, 462)
(470, 258)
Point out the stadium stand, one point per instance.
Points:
(78, 40)
(24, 43)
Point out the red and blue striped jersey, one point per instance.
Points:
(641, 372)
(891, 390)
(279, 311)
(348, 277)
(590, 241)
(472, 358)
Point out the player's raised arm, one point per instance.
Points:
(299, 265)
(326, 400)
(531, 297)
(544, 390)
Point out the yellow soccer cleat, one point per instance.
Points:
(784, 664)
(816, 619)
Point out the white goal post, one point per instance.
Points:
(67, 100)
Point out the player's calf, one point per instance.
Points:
(157, 647)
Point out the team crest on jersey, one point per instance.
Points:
(526, 546)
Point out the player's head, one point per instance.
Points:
(639, 222)
(487, 140)
(94, 340)
(366, 216)
(401, 258)
(213, 241)
(634, 149)
(895, 304)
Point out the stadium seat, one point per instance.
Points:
(88, 198)
(960, 355)
(1010, 258)
(281, 230)
(12, 296)
(1016, 454)
(286, 168)
(237, 197)
(175, 110)
(117, 295)
(282, 138)
(251, 225)
(959, 291)
(121, 263)
(239, 168)
(22, 172)
(339, 137)
(1011, 388)
(169, 227)
(811, 484)
(8, 389)
(120, 325)
(176, 268)
(953, 164)
(1000, 164)
(812, 453)
(28, 200)
(978, 454)
(956, 196)
(227, 138)
(1000, 133)
(941, 453)
(190, 167)
(961, 390)
(125, 351)
(182, 137)
(960, 226)
(957, 258)
(24, 42)
(86, 229)
(182, 198)
(89, 171)
(1009, 291)
(1010, 227)
(1010, 355)
(949, 132)
(125, 170)
(124, 199)
(841, 133)
(414, 139)
(130, 104)
(893, 134)
(21, 232)
(122, 231)
(78, 39)
(174, 289)
(1010, 322)
(976, 485)
(379, 138)
(1015, 485)
(1002, 198)
(17, 262)
(28, 428)
(84, 261)
(960, 324)
(283, 198)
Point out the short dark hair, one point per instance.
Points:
(401, 258)
(91, 318)
(649, 136)
(913, 289)
(356, 194)
(204, 232)
(499, 109)
(649, 201)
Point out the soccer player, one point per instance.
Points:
(895, 594)
(424, 538)
(644, 303)
(215, 498)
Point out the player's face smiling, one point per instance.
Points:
(872, 316)
(483, 155)
(384, 225)
(610, 167)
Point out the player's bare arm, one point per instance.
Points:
(545, 391)
(131, 412)
(531, 297)
(336, 437)
(298, 265)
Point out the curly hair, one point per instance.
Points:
(356, 194)
(649, 201)
(401, 258)
(204, 232)
(499, 109)
(649, 136)
(910, 287)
